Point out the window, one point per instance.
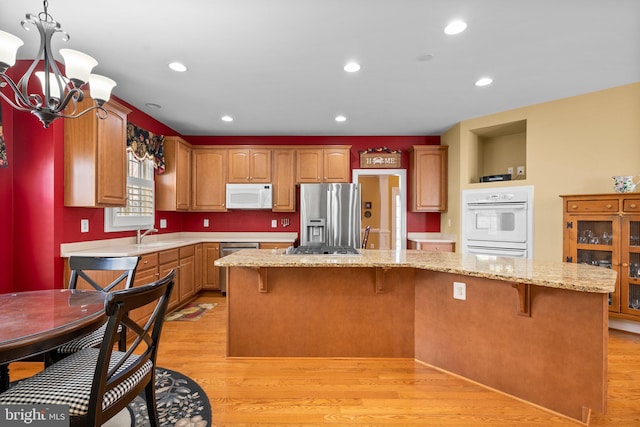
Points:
(139, 212)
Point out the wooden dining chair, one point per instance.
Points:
(365, 238)
(97, 383)
(96, 273)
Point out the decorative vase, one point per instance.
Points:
(624, 184)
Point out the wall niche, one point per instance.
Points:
(499, 148)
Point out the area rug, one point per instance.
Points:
(192, 311)
(180, 402)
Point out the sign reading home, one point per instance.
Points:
(380, 158)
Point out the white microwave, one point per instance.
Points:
(249, 196)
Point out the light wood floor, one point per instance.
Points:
(362, 392)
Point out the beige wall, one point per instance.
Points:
(573, 146)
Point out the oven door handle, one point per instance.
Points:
(514, 253)
(501, 206)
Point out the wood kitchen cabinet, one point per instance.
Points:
(249, 165)
(211, 273)
(328, 164)
(173, 187)
(283, 181)
(95, 158)
(146, 272)
(209, 174)
(428, 169)
(169, 260)
(186, 264)
(604, 230)
(198, 280)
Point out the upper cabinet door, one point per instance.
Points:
(95, 160)
(309, 165)
(428, 178)
(249, 165)
(173, 187)
(209, 173)
(283, 181)
(337, 165)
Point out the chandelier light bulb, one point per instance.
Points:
(54, 88)
(78, 66)
(9, 45)
(100, 87)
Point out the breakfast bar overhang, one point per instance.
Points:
(534, 330)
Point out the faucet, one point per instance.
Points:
(140, 236)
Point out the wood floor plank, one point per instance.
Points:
(361, 392)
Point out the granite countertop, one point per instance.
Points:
(160, 242)
(576, 277)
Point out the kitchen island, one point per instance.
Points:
(535, 330)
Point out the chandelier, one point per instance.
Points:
(60, 94)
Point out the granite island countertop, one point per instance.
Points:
(570, 276)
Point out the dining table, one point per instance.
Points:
(35, 322)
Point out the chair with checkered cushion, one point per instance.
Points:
(97, 383)
(93, 273)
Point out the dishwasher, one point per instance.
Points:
(227, 248)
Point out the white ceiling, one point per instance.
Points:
(276, 66)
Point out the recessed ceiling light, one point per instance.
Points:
(177, 66)
(484, 81)
(152, 105)
(352, 67)
(455, 27)
(425, 57)
(226, 118)
(341, 118)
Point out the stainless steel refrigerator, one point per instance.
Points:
(330, 215)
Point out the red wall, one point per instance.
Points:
(6, 201)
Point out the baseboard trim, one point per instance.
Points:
(625, 325)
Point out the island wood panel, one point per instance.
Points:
(320, 312)
(556, 358)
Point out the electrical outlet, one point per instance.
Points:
(274, 223)
(460, 290)
(510, 170)
(84, 225)
(520, 170)
(163, 223)
(205, 223)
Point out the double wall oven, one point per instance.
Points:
(498, 221)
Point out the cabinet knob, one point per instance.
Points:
(609, 206)
(633, 205)
(146, 262)
(574, 206)
(624, 264)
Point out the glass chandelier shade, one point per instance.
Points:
(60, 93)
